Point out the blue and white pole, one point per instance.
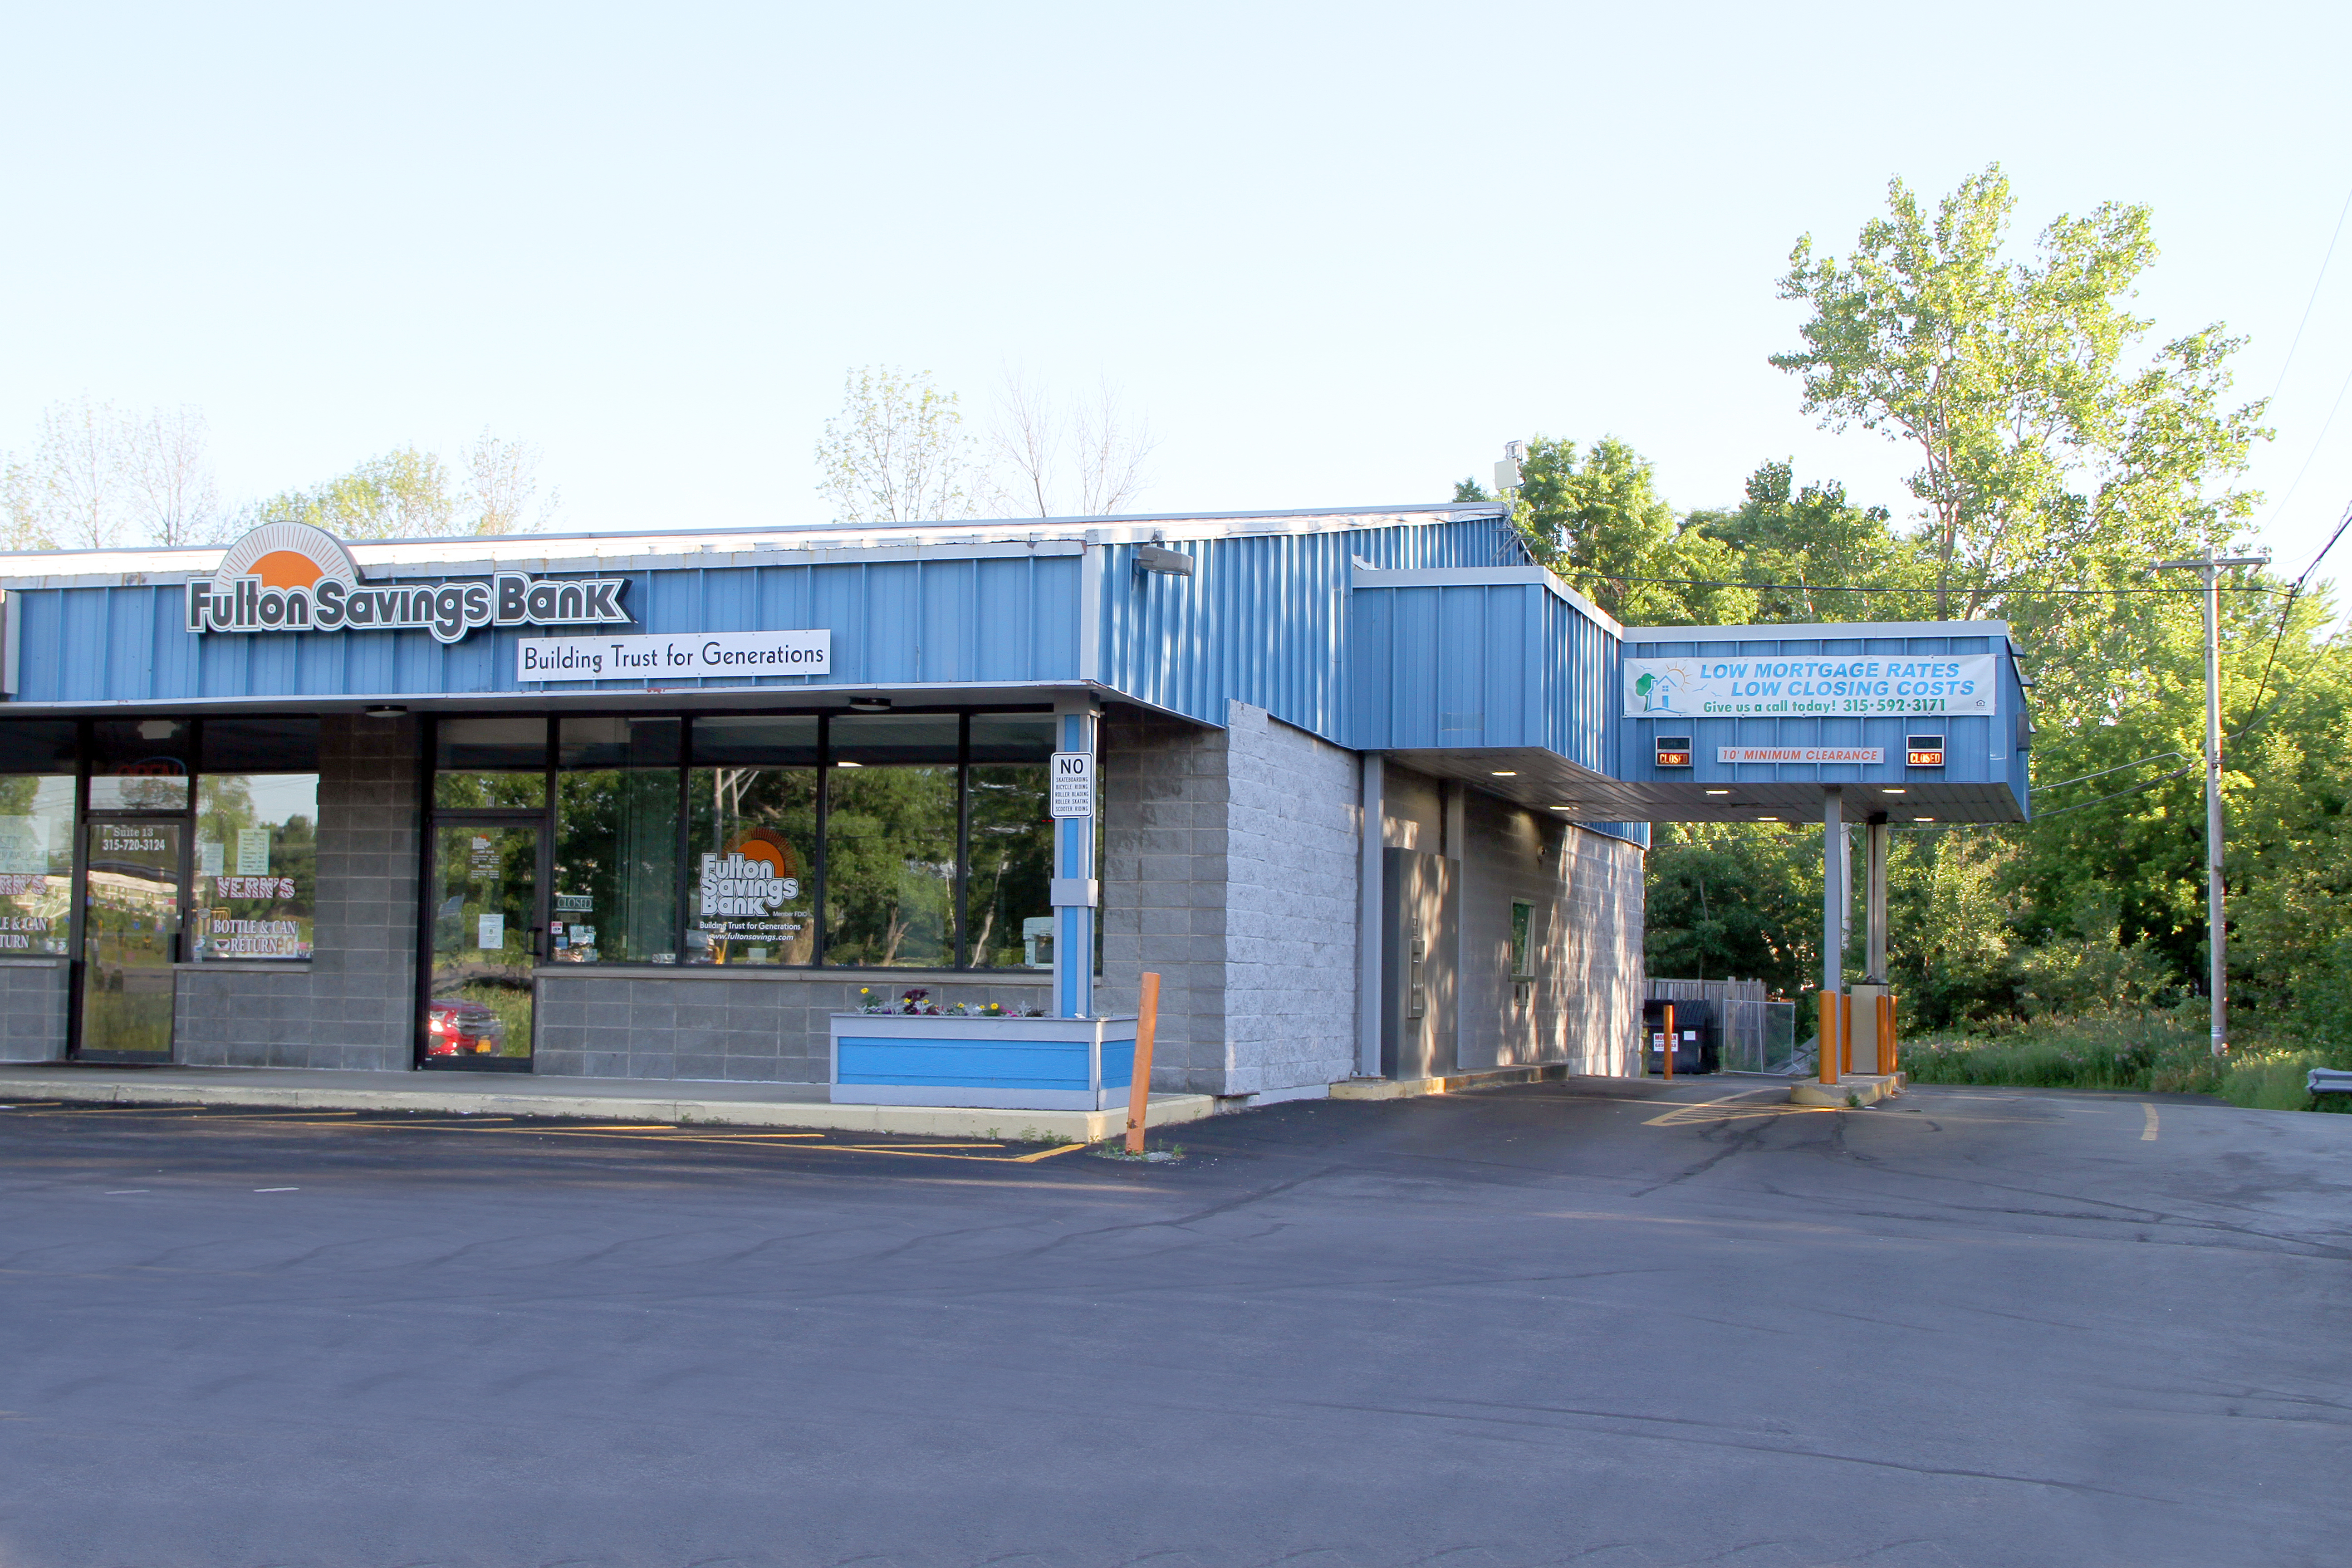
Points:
(1076, 889)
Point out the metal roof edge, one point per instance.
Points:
(181, 561)
(1488, 576)
(1818, 631)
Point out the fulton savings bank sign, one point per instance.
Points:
(292, 577)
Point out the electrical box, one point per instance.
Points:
(1420, 946)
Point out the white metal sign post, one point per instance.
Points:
(1070, 801)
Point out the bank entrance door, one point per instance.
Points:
(484, 898)
(130, 883)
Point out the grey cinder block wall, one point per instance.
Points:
(1583, 1005)
(1229, 866)
(33, 1009)
(353, 1004)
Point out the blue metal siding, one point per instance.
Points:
(950, 620)
(1489, 665)
(1264, 618)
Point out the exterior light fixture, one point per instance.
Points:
(1922, 820)
(1171, 563)
(869, 705)
(1505, 774)
(386, 710)
(1718, 792)
(1893, 789)
(843, 765)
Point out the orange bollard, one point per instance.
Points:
(1670, 1041)
(1138, 1088)
(1833, 1046)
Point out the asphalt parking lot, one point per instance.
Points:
(1617, 1324)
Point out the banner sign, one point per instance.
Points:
(1801, 753)
(683, 655)
(291, 577)
(1847, 686)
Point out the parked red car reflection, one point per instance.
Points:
(454, 1027)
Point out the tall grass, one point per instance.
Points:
(2155, 1053)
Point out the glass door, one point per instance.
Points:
(130, 884)
(486, 926)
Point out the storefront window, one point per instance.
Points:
(256, 861)
(616, 897)
(489, 763)
(140, 764)
(891, 840)
(916, 840)
(36, 802)
(1008, 905)
(751, 827)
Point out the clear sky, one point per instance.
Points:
(1338, 254)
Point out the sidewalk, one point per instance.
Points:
(595, 1098)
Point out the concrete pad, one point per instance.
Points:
(600, 1099)
(1868, 1088)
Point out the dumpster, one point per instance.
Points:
(1698, 1044)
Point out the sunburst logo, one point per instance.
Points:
(759, 874)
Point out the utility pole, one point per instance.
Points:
(2211, 568)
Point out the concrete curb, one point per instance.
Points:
(1078, 1126)
(1453, 1083)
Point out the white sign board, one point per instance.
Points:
(684, 655)
(1813, 685)
(490, 933)
(1801, 753)
(253, 851)
(1073, 773)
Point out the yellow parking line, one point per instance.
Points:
(1046, 1153)
(2149, 1136)
(1695, 1110)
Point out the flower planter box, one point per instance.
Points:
(1012, 1064)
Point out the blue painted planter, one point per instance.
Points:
(1011, 1064)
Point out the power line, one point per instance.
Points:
(1827, 588)
(2307, 304)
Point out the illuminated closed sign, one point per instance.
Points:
(291, 577)
(1674, 751)
(1924, 751)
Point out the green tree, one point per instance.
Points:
(1600, 523)
(410, 493)
(896, 452)
(1794, 547)
(2047, 454)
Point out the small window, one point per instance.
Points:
(257, 865)
(261, 746)
(35, 860)
(490, 762)
(1522, 956)
(140, 764)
